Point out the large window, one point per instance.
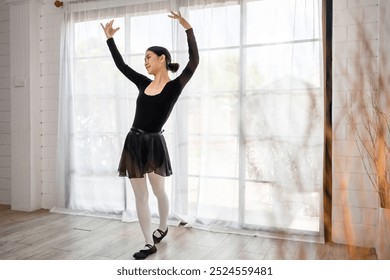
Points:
(246, 137)
(256, 116)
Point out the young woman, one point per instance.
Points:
(145, 152)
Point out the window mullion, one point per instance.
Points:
(241, 116)
(127, 24)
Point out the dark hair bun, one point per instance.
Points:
(173, 67)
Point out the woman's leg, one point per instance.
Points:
(158, 187)
(142, 205)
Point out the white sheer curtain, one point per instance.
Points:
(246, 136)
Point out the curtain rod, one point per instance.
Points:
(59, 4)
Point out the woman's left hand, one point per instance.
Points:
(181, 20)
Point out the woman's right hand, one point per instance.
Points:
(109, 30)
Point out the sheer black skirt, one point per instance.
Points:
(143, 153)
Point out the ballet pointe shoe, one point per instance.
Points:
(162, 235)
(143, 254)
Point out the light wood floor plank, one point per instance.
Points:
(41, 235)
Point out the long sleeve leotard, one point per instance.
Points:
(153, 111)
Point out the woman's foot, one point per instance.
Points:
(158, 235)
(144, 253)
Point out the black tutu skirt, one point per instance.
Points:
(144, 153)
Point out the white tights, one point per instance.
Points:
(142, 203)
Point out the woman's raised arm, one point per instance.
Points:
(132, 75)
(181, 20)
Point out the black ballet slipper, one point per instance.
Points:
(162, 235)
(143, 254)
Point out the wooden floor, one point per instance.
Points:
(46, 236)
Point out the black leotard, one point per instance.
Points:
(153, 111)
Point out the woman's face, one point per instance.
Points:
(153, 62)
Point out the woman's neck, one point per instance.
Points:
(161, 78)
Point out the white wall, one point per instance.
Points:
(5, 127)
(354, 201)
(51, 18)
